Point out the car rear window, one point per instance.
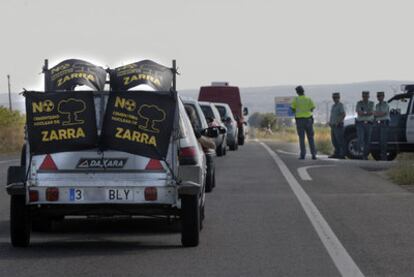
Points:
(222, 111)
(207, 111)
(194, 119)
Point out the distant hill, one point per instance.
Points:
(261, 99)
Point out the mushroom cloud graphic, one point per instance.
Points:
(151, 114)
(72, 108)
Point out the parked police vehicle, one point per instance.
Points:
(401, 128)
(107, 152)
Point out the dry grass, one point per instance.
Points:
(402, 173)
(11, 131)
(285, 135)
(323, 140)
(322, 137)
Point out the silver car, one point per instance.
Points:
(230, 123)
(214, 120)
(110, 183)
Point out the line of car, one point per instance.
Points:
(214, 122)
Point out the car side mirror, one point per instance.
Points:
(245, 111)
(211, 132)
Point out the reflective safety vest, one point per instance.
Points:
(303, 106)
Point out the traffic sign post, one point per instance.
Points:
(282, 107)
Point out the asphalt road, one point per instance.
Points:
(255, 225)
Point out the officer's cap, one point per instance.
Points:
(380, 93)
(299, 89)
(336, 94)
(365, 93)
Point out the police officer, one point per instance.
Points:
(364, 121)
(336, 122)
(382, 119)
(303, 107)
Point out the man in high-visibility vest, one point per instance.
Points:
(303, 108)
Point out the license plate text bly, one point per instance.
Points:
(119, 195)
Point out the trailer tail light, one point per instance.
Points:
(151, 194)
(188, 156)
(48, 164)
(52, 194)
(33, 196)
(154, 164)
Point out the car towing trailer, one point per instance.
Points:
(31, 204)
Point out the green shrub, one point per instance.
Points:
(11, 130)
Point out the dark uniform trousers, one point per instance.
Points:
(305, 126)
(337, 137)
(364, 131)
(383, 137)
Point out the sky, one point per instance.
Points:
(248, 43)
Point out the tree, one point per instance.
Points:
(255, 119)
(268, 120)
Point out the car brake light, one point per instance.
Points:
(154, 164)
(48, 163)
(151, 194)
(52, 194)
(188, 156)
(33, 195)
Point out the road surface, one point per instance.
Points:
(263, 219)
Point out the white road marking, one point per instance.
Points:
(297, 154)
(342, 260)
(9, 161)
(303, 171)
(287, 153)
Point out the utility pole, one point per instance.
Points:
(327, 112)
(10, 99)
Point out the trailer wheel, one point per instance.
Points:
(190, 220)
(19, 221)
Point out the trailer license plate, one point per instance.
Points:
(76, 194)
(119, 195)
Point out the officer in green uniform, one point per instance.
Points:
(336, 122)
(382, 120)
(364, 121)
(303, 107)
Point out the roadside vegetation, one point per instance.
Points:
(11, 130)
(267, 127)
(403, 172)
